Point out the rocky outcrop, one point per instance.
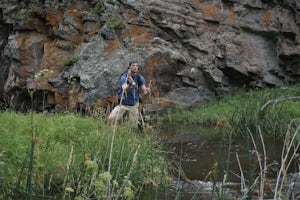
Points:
(69, 54)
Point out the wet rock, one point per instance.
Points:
(295, 194)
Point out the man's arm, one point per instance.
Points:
(142, 81)
(145, 89)
(126, 85)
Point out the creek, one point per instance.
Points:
(204, 157)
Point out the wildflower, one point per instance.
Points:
(70, 190)
(115, 184)
(128, 191)
(91, 165)
(100, 187)
(105, 176)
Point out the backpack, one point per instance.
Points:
(119, 91)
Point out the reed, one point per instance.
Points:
(219, 190)
(271, 118)
(257, 185)
(280, 190)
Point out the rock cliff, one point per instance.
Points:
(67, 54)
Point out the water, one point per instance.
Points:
(204, 158)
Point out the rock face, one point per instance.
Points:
(65, 54)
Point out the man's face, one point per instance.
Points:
(134, 67)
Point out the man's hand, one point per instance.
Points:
(146, 90)
(130, 80)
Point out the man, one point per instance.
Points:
(129, 97)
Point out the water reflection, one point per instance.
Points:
(206, 156)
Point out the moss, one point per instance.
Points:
(114, 23)
(98, 9)
(71, 61)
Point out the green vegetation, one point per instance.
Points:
(70, 61)
(114, 23)
(98, 9)
(21, 15)
(67, 156)
(64, 156)
(270, 109)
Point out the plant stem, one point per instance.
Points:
(30, 167)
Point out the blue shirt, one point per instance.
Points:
(131, 97)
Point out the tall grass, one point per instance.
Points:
(260, 186)
(70, 158)
(271, 108)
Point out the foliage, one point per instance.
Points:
(70, 157)
(271, 108)
(114, 23)
(71, 61)
(98, 9)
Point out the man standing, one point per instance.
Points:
(129, 97)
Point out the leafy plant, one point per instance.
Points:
(71, 61)
(98, 9)
(114, 23)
